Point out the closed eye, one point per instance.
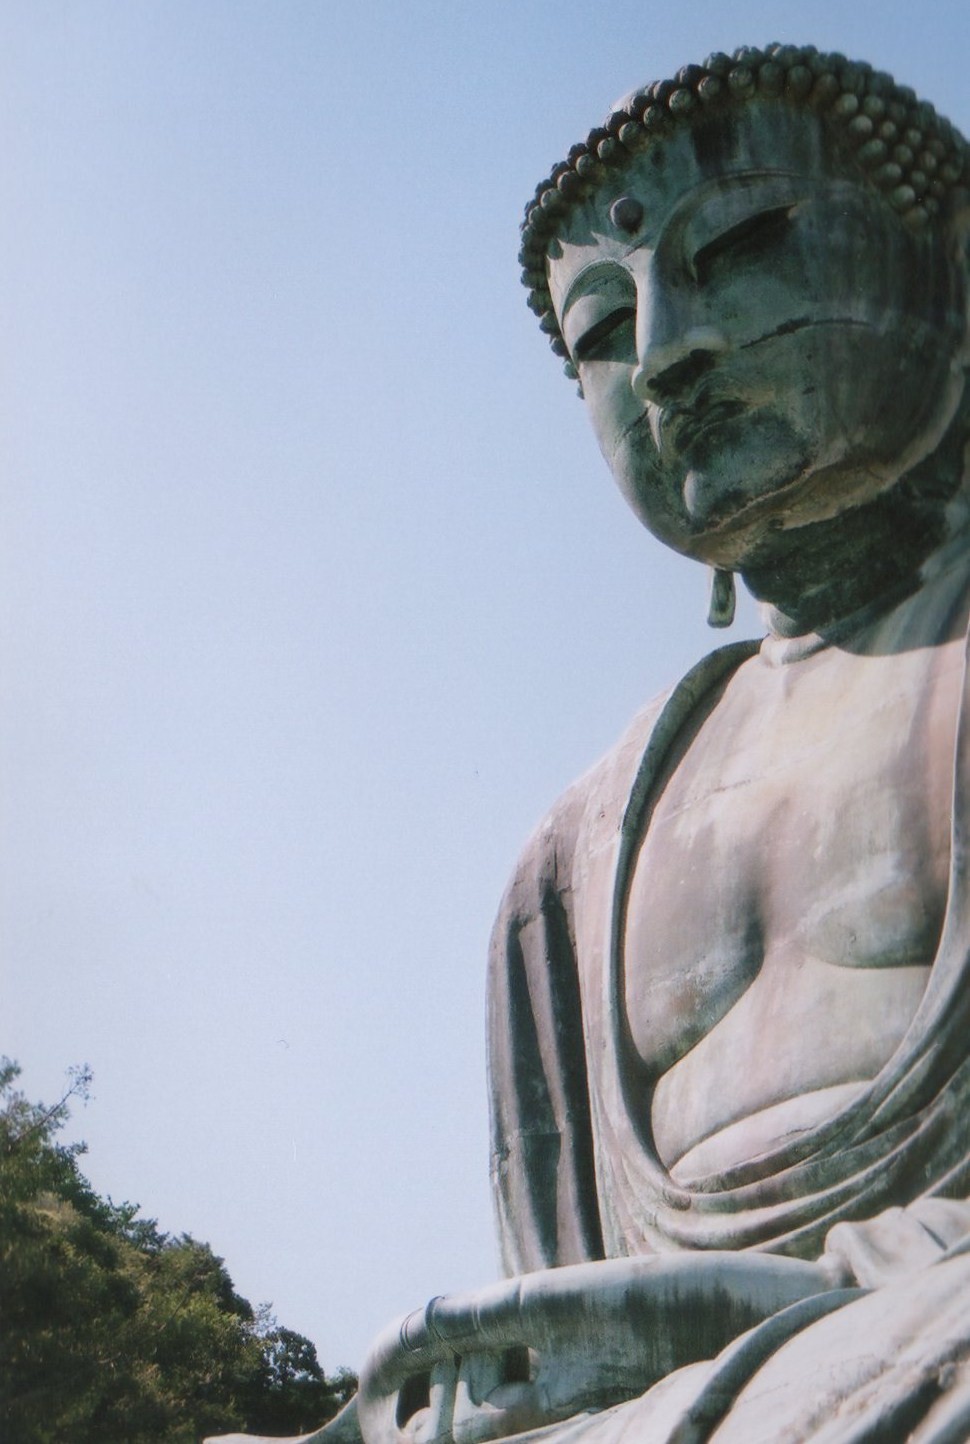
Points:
(750, 237)
(601, 331)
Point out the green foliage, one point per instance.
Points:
(113, 1332)
(292, 1393)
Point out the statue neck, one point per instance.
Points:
(869, 558)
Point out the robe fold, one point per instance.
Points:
(575, 1174)
(877, 1192)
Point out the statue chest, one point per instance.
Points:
(788, 896)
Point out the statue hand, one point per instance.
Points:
(544, 1347)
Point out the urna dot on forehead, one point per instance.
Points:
(877, 132)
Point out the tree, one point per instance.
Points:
(113, 1332)
(292, 1393)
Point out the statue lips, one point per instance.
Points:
(683, 427)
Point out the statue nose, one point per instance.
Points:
(668, 369)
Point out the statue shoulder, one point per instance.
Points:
(545, 864)
(601, 795)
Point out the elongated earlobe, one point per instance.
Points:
(720, 611)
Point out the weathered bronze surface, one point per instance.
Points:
(729, 1002)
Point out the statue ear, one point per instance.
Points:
(958, 248)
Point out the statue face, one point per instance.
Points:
(760, 343)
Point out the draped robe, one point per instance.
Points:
(877, 1190)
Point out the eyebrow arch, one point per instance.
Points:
(573, 289)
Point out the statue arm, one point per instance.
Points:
(567, 1341)
(542, 1152)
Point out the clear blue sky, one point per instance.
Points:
(314, 591)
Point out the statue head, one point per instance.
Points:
(757, 273)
